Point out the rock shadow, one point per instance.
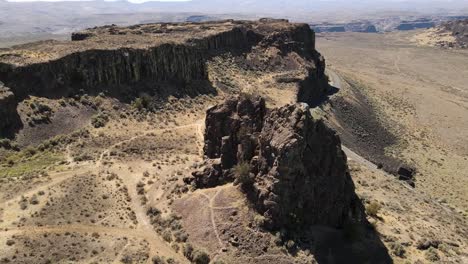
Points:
(355, 243)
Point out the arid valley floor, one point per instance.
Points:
(102, 180)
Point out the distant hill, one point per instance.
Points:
(34, 19)
(450, 34)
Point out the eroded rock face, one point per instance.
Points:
(150, 58)
(298, 170)
(9, 118)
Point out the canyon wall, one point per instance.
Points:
(160, 59)
(98, 70)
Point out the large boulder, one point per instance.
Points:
(296, 172)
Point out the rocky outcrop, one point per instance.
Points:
(142, 58)
(9, 118)
(108, 70)
(290, 165)
(459, 30)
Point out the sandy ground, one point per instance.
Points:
(421, 95)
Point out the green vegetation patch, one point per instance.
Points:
(27, 162)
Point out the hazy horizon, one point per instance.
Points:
(19, 18)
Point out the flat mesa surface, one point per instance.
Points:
(134, 37)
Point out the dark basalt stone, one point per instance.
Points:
(299, 172)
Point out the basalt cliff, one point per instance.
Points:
(141, 56)
(162, 59)
(290, 165)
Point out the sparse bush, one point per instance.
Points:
(398, 249)
(188, 251)
(180, 236)
(242, 173)
(100, 120)
(290, 244)
(167, 236)
(152, 211)
(33, 200)
(259, 220)
(142, 102)
(30, 151)
(5, 143)
(126, 259)
(158, 260)
(171, 261)
(42, 112)
(175, 247)
(373, 208)
(432, 255)
(82, 157)
(200, 257)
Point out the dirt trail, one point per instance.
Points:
(108, 150)
(213, 221)
(57, 178)
(144, 229)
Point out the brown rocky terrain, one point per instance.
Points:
(133, 150)
(451, 34)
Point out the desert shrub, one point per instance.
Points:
(171, 261)
(99, 120)
(290, 244)
(259, 220)
(33, 200)
(158, 260)
(8, 144)
(30, 151)
(373, 208)
(187, 250)
(432, 255)
(5, 143)
(126, 259)
(200, 257)
(242, 173)
(41, 113)
(152, 211)
(180, 236)
(167, 236)
(39, 107)
(398, 249)
(142, 102)
(82, 157)
(176, 247)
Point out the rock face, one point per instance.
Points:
(161, 60)
(140, 58)
(298, 173)
(9, 118)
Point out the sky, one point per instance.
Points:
(140, 1)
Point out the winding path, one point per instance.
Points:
(144, 229)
